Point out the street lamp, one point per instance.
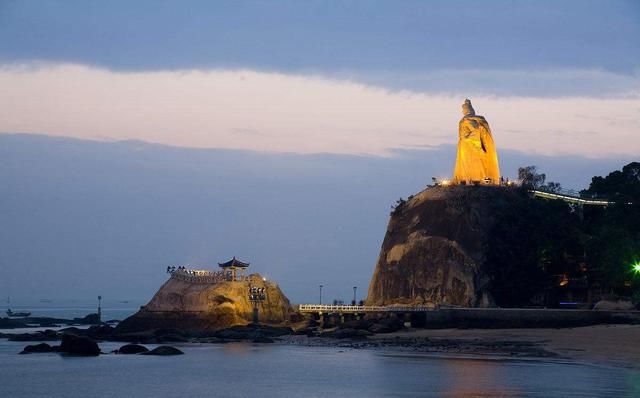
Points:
(354, 295)
(320, 294)
(99, 309)
(256, 295)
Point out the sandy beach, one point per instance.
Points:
(616, 345)
(612, 345)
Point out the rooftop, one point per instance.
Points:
(233, 263)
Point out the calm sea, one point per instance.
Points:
(250, 370)
(68, 309)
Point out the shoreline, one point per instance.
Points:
(609, 345)
(616, 345)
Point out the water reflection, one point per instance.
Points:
(473, 378)
(242, 370)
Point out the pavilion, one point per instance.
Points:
(232, 267)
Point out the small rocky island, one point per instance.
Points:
(201, 301)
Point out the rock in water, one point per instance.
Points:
(477, 159)
(42, 347)
(202, 307)
(79, 345)
(164, 350)
(132, 349)
(435, 248)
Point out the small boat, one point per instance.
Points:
(17, 314)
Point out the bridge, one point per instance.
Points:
(358, 309)
(570, 196)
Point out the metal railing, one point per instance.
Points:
(360, 308)
(569, 196)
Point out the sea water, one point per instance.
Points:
(112, 309)
(274, 370)
(278, 370)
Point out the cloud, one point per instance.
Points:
(246, 109)
(557, 82)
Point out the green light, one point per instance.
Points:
(636, 268)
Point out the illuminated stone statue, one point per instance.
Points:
(477, 160)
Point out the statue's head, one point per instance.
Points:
(467, 108)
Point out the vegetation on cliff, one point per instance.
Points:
(476, 246)
(536, 240)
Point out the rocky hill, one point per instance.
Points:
(189, 306)
(437, 244)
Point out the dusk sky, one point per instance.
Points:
(317, 114)
(324, 76)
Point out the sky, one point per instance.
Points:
(356, 77)
(362, 96)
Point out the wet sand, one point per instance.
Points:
(616, 345)
(613, 345)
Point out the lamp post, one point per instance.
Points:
(354, 295)
(256, 295)
(320, 294)
(99, 309)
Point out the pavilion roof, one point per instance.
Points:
(233, 263)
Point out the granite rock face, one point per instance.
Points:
(201, 307)
(434, 251)
(477, 158)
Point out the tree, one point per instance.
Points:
(530, 177)
(620, 185)
(615, 232)
(551, 186)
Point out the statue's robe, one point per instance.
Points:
(477, 159)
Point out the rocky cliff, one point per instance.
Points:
(189, 306)
(436, 247)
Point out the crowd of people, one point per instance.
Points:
(195, 272)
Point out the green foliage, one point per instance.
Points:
(621, 185)
(615, 233)
(399, 205)
(519, 246)
(530, 178)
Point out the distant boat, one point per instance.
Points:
(17, 314)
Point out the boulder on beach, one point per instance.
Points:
(79, 345)
(164, 350)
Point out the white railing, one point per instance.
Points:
(570, 198)
(360, 308)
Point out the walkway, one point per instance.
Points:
(358, 309)
(570, 197)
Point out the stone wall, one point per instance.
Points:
(500, 318)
